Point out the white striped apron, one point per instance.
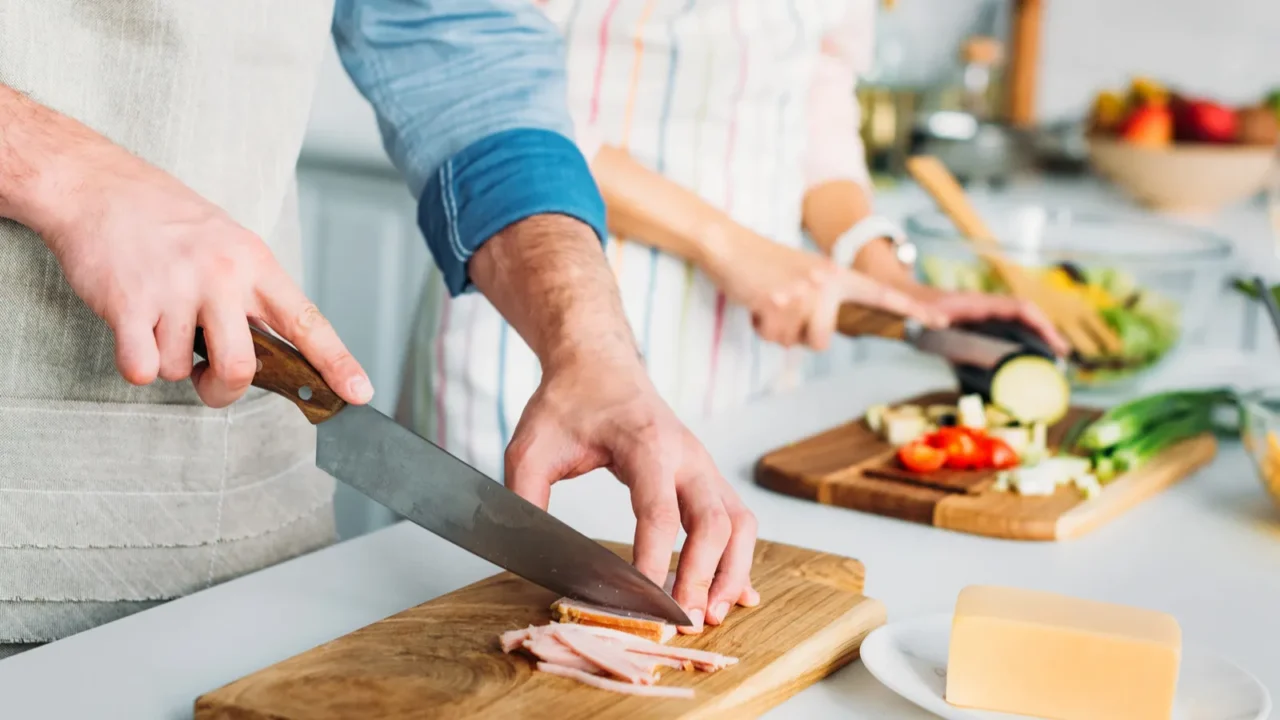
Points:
(710, 93)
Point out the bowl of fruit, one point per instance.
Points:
(1179, 153)
(1153, 282)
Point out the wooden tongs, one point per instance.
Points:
(1079, 322)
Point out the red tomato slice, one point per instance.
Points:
(919, 457)
(1002, 457)
(941, 437)
(963, 452)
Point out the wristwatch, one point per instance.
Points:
(871, 228)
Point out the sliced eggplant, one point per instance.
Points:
(974, 379)
(1031, 389)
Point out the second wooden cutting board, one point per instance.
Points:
(441, 659)
(853, 467)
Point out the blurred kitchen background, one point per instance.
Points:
(1003, 91)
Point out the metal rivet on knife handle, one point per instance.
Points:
(284, 371)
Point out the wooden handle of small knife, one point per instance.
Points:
(857, 320)
(284, 371)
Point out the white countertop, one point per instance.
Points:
(1208, 551)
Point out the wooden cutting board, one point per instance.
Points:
(853, 467)
(441, 659)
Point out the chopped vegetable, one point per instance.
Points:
(875, 417)
(972, 412)
(1000, 455)
(939, 414)
(901, 427)
(1148, 324)
(1124, 423)
(1031, 389)
(997, 418)
(962, 450)
(1017, 438)
(918, 456)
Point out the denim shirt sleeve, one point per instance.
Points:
(470, 100)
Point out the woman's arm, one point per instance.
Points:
(646, 207)
(838, 194)
(793, 295)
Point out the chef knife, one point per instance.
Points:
(422, 482)
(961, 347)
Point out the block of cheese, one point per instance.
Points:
(1051, 656)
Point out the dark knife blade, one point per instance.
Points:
(422, 482)
(962, 347)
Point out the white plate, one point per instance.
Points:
(910, 658)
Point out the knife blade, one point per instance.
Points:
(961, 347)
(422, 482)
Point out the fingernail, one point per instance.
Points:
(360, 389)
(695, 617)
(753, 598)
(718, 613)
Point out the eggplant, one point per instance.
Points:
(1029, 384)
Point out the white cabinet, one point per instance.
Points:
(364, 261)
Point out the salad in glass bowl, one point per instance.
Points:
(1151, 281)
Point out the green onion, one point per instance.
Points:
(1125, 423)
(1140, 450)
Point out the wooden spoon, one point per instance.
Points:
(1080, 323)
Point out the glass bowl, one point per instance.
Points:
(1153, 281)
(1260, 435)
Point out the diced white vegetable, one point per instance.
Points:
(1088, 485)
(1039, 438)
(972, 412)
(937, 412)
(1036, 480)
(875, 417)
(1044, 477)
(1067, 468)
(1017, 438)
(1002, 481)
(900, 429)
(997, 417)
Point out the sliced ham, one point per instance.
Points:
(607, 656)
(614, 685)
(650, 628)
(512, 640)
(610, 651)
(548, 648)
(709, 660)
(572, 611)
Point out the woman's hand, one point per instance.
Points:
(961, 307)
(794, 296)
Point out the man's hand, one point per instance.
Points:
(155, 260)
(597, 408)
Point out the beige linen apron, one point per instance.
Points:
(114, 498)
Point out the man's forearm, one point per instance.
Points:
(548, 277)
(34, 143)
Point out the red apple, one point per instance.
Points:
(1205, 121)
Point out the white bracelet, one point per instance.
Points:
(863, 232)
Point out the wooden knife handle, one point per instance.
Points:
(284, 371)
(856, 320)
